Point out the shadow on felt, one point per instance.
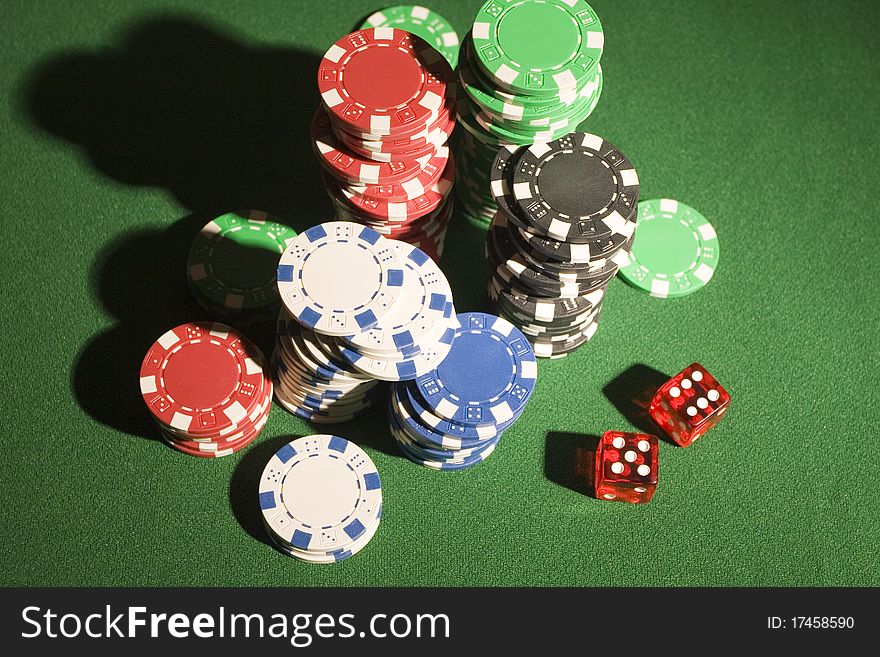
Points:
(218, 124)
(569, 460)
(631, 392)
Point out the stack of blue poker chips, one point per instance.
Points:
(452, 417)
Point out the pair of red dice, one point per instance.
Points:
(685, 407)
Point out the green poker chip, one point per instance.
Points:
(538, 48)
(232, 262)
(516, 107)
(675, 251)
(521, 132)
(422, 22)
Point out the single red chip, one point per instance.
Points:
(344, 164)
(382, 80)
(410, 189)
(444, 124)
(413, 131)
(406, 211)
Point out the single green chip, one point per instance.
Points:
(522, 132)
(538, 48)
(233, 260)
(422, 22)
(515, 107)
(675, 251)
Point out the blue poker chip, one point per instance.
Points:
(412, 452)
(427, 428)
(430, 451)
(488, 376)
(441, 456)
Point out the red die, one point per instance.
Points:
(626, 467)
(689, 404)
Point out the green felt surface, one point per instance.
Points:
(125, 125)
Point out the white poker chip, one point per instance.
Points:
(320, 495)
(418, 311)
(339, 278)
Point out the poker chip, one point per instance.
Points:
(575, 187)
(546, 309)
(428, 175)
(321, 498)
(423, 303)
(311, 383)
(512, 267)
(346, 165)
(509, 51)
(207, 387)
(324, 295)
(232, 261)
(414, 146)
(675, 252)
(507, 373)
(522, 109)
(434, 432)
(421, 21)
(408, 367)
(406, 211)
(414, 79)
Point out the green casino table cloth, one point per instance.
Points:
(126, 125)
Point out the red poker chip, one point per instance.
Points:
(242, 439)
(381, 81)
(412, 132)
(426, 150)
(435, 140)
(235, 433)
(344, 164)
(235, 440)
(417, 227)
(219, 453)
(426, 225)
(410, 189)
(433, 232)
(436, 122)
(432, 135)
(202, 378)
(406, 211)
(260, 401)
(422, 229)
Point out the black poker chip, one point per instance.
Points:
(575, 187)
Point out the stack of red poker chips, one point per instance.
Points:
(208, 389)
(388, 109)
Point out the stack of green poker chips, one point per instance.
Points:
(232, 264)
(531, 73)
